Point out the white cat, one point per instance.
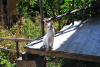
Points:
(48, 39)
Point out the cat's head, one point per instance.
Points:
(49, 25)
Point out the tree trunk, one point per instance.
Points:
(59, 22)
(84, 6)
(73, 15)
(41, 13)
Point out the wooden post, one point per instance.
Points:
(84, 6)
(0, 7)
(98, 6)
(17, 49)
(41, 13)
(1, 13)
(4, 5)
(73, 14)
(31, 60)
(59, 27)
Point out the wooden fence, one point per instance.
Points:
(17, 40)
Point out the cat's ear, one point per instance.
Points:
(45, 23)
(51, 22)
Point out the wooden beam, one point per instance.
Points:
(65, 55)
(15, 39)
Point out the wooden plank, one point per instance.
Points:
(65, 55)
(15, 39)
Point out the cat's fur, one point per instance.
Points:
(48, 39)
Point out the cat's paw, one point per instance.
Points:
(50, 48)
(43, 47)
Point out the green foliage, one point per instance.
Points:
(5, 63)
(3, 60)
(28, 8)
(66, 6)
(31, 8)
(53, 61)
(50, 7)
(32, 30)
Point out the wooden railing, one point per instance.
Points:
(67, 14)
(17, 40)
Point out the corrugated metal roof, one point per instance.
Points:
(82, 38)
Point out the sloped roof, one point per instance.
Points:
(81, 38)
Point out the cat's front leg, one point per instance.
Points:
(51, 44)
(48, 44)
